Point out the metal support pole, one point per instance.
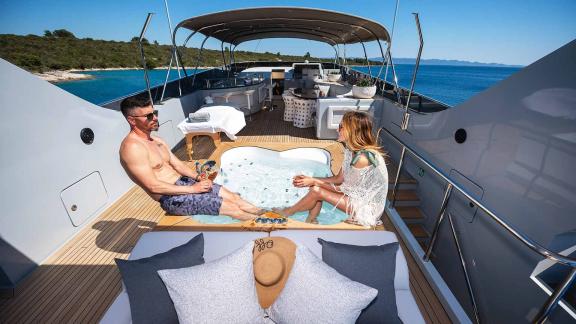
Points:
(392, 34)
(400, 163)
(166, 80)
(465, 269)
(553, 300)
(184, 45)
(198, 60)
(381, 53)
(148, 18)
(447, 194)
(396, 87)
(223, 56)
(230, 60)
(417, 61)
(173, 50)
(367, 61)
(345, 60)
(335, 53)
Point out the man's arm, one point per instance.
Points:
(134, 158)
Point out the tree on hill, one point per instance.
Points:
(135, 39)
(63, 33)
(48, 33)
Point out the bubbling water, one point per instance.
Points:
(267, 183)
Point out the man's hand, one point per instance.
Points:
(302, 181)
(202, 186)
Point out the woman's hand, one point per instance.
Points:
(302, 181)
(202, 186)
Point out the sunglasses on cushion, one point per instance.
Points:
(149, 116)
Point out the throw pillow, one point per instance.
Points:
(222, 291)
(316, 293)
(149, 299)
(374, 266)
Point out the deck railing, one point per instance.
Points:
(555, 297)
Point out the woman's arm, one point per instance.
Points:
(327, 183)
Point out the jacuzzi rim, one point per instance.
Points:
(327, 153)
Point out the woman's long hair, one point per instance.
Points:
(357, 132)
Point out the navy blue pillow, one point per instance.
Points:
(374, 266)
(149, 298)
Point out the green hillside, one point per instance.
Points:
(61, 50)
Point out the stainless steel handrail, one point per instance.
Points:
(553, 301)
(148, 17)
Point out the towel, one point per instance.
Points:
(198, 117)
(222, 119)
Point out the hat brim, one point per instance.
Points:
(286, 249)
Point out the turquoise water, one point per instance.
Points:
(267, 183)
(449, 84)
(112, 84)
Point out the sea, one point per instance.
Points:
(451, 85)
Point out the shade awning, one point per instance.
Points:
(242, 25)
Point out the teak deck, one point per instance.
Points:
(80, 281)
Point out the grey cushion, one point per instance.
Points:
(149, 299)
(373, 266)
(221, 291)
(316, 293)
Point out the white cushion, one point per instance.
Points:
(316, 293)
(221, 291)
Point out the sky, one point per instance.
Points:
(515, 32)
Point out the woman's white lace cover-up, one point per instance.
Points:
(366, 189)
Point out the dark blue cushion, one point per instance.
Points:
(149, 298)
(373, 266)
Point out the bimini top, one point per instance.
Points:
(238, 26)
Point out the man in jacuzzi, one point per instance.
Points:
(149, 162)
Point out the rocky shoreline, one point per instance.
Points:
(72, 75)
(60, 76)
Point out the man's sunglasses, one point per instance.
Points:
(149, 116)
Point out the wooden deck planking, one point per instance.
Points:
(80, 281)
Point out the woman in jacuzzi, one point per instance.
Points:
(361, 185)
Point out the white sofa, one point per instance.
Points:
(218, 244)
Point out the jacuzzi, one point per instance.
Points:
(264, 178)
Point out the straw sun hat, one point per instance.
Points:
(273, 259)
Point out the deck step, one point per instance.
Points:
(404, 176)
(418, 231)
(410, 213)
(405, 195)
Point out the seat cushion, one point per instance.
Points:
(222, 291)
(373, 266)
(149, 299)
(316, 293)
